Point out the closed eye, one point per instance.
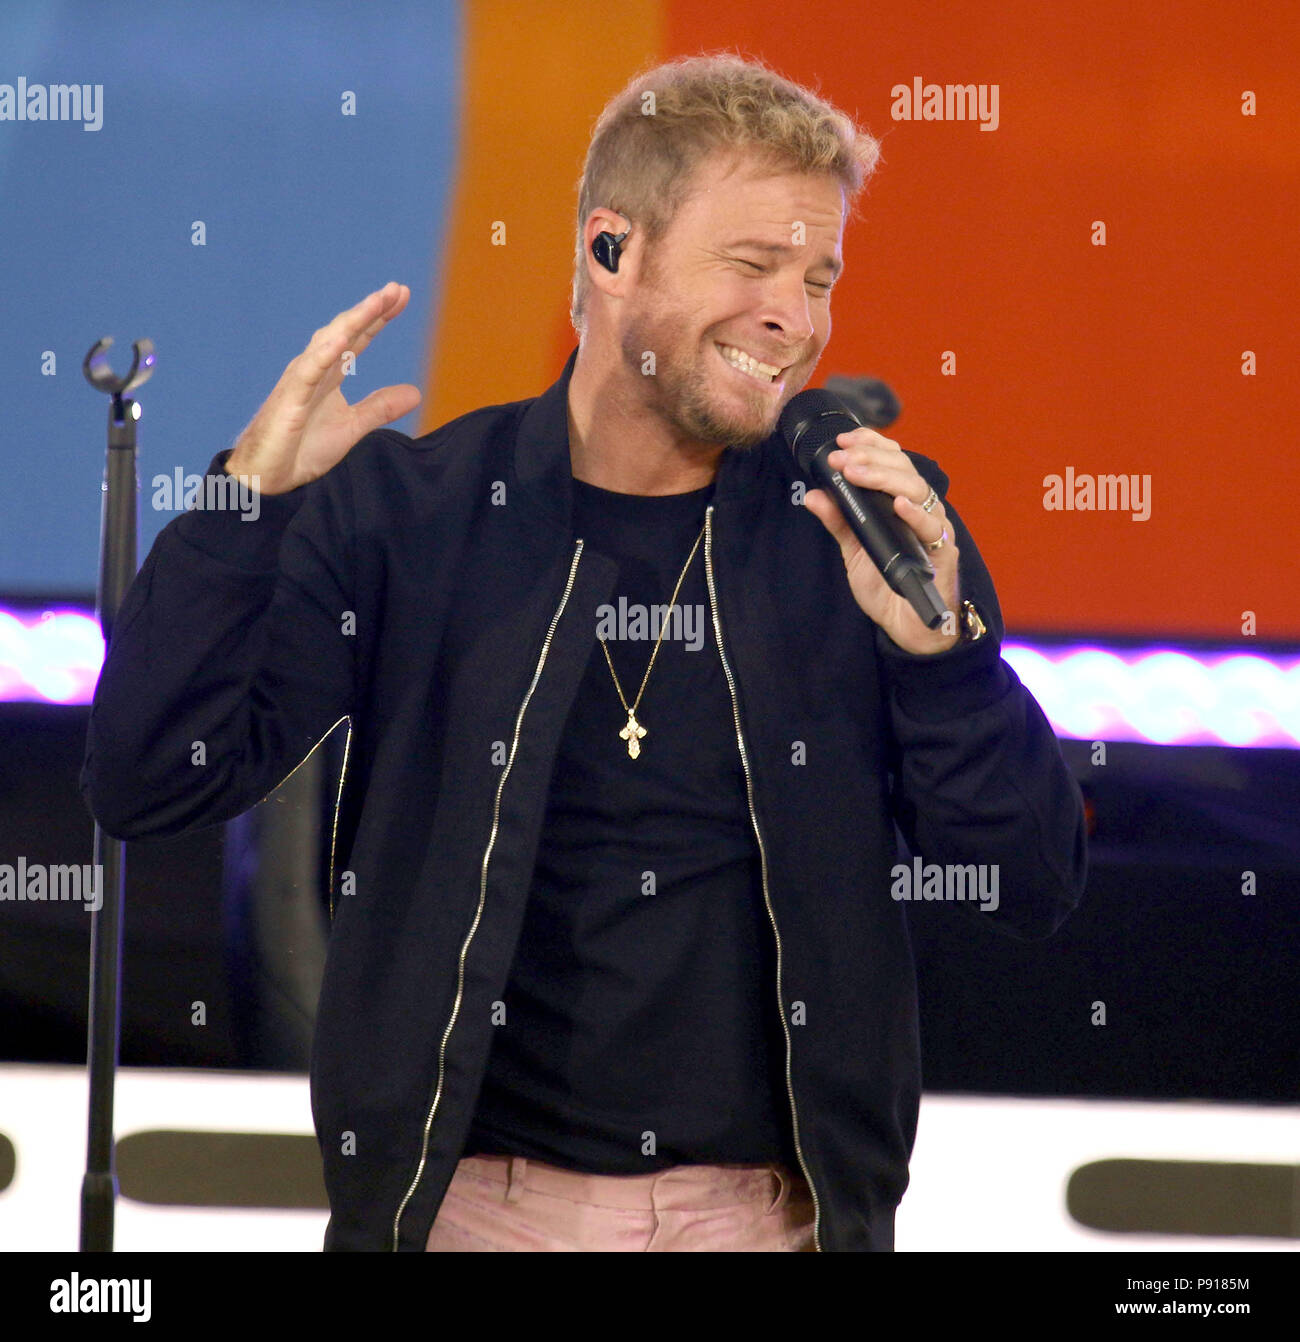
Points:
(762, 270)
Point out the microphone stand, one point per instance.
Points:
(117, 567)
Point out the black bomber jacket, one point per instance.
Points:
(423, 590)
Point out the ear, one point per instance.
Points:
(604, 220)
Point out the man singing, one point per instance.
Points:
(614, 961)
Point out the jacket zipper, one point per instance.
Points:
(762, 853)
(338, 801)
(482, 892)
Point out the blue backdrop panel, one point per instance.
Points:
(231, 115)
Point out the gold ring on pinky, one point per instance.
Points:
(930, 501)
(940, 543)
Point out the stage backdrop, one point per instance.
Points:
(1093, 276)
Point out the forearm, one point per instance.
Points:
(221, 673)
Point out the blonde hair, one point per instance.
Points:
(653, 135)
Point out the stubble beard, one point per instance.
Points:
(683, 388)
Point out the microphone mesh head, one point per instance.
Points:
(811, 420)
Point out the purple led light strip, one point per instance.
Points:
(1088, 692)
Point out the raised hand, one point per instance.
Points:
(306, 426)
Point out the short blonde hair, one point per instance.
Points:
(652, 136)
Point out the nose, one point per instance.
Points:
(786, 309)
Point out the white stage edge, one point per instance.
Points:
(988, 1173)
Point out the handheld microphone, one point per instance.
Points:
(810, 424)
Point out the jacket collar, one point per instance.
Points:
(543, 469)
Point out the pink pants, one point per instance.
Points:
(497, 1203)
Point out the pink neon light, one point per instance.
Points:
(1161, 695)
(51, 657)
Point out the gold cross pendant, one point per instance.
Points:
(632, 734)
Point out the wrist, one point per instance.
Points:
(246, 470)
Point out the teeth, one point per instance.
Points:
(747, 364)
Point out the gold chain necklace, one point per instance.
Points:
(634, 731)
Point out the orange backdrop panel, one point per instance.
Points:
(1116, 359)
(536, 77)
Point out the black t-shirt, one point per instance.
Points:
(642, 998)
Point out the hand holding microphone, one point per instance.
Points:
(869, 499)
